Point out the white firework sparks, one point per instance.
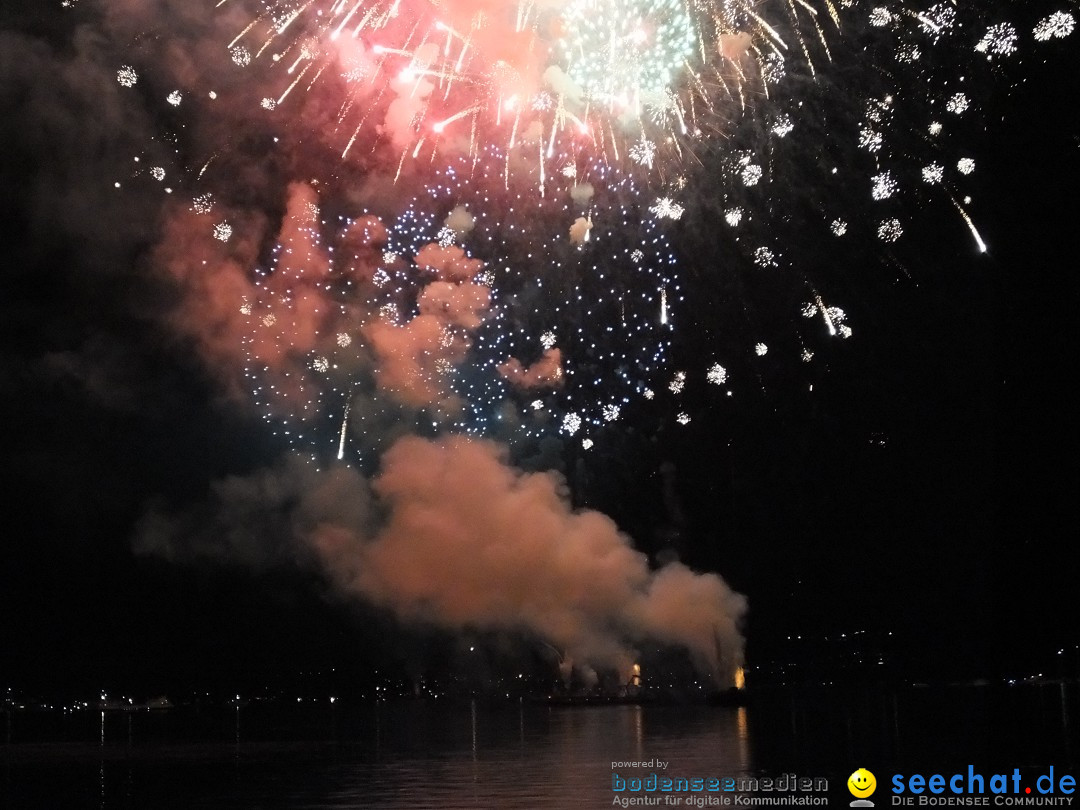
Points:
(664, 112)
(158, 173)
(958, 104)
(935, 128)
(870, 140)
(908, 53)
(610, 413)
(241, 56)
(890, 230)
(678, 382)
(343, 339)
(223, 231)
(547, 340)
(648, 393)
(716, 374)
(320, 364)
(933, 174)
(938, 19)
(760, 349)
(884, 186)
(542, 101)
(879, 111)
(1057, 26)
(999, 40)
(355, 72)
(683, 418)
(268, 103)
(446, 237)
(783, 126)
(174, 98)
(571, 424)
(764, 257)
(751, 174)
(838, 227)
(643, 153)
(666, 208)
(203, 204)
(733, 216)
(773, 69)
(126, 76)
(881, 17)
(586, 444)
(965, 165)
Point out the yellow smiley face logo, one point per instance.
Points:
(861, 783)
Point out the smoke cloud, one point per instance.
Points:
(544, 373)
(579, 231)
(460, 221)
(467, 541)
(582, 193)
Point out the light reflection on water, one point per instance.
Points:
(391, 756)
(543, 758)
(424, 755)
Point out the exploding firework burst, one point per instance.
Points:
(643, 79)
(1057, 26)
(626, 53)
(519, 315)
(545, 106)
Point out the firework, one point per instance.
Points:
(958, 104)
(126, 76)
(999, 40)
(626, 53)
(504, 314)
(1057, 26)
(532, 122)
(717, 374)
(637, 79)
(764, 257)
(890, 230)
(884, 186)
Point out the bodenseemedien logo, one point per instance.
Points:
(862, 785)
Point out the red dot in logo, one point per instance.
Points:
(1027, 790)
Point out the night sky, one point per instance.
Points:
(920, 478)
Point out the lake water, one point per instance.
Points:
(426, 755)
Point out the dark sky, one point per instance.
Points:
(927, 484)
